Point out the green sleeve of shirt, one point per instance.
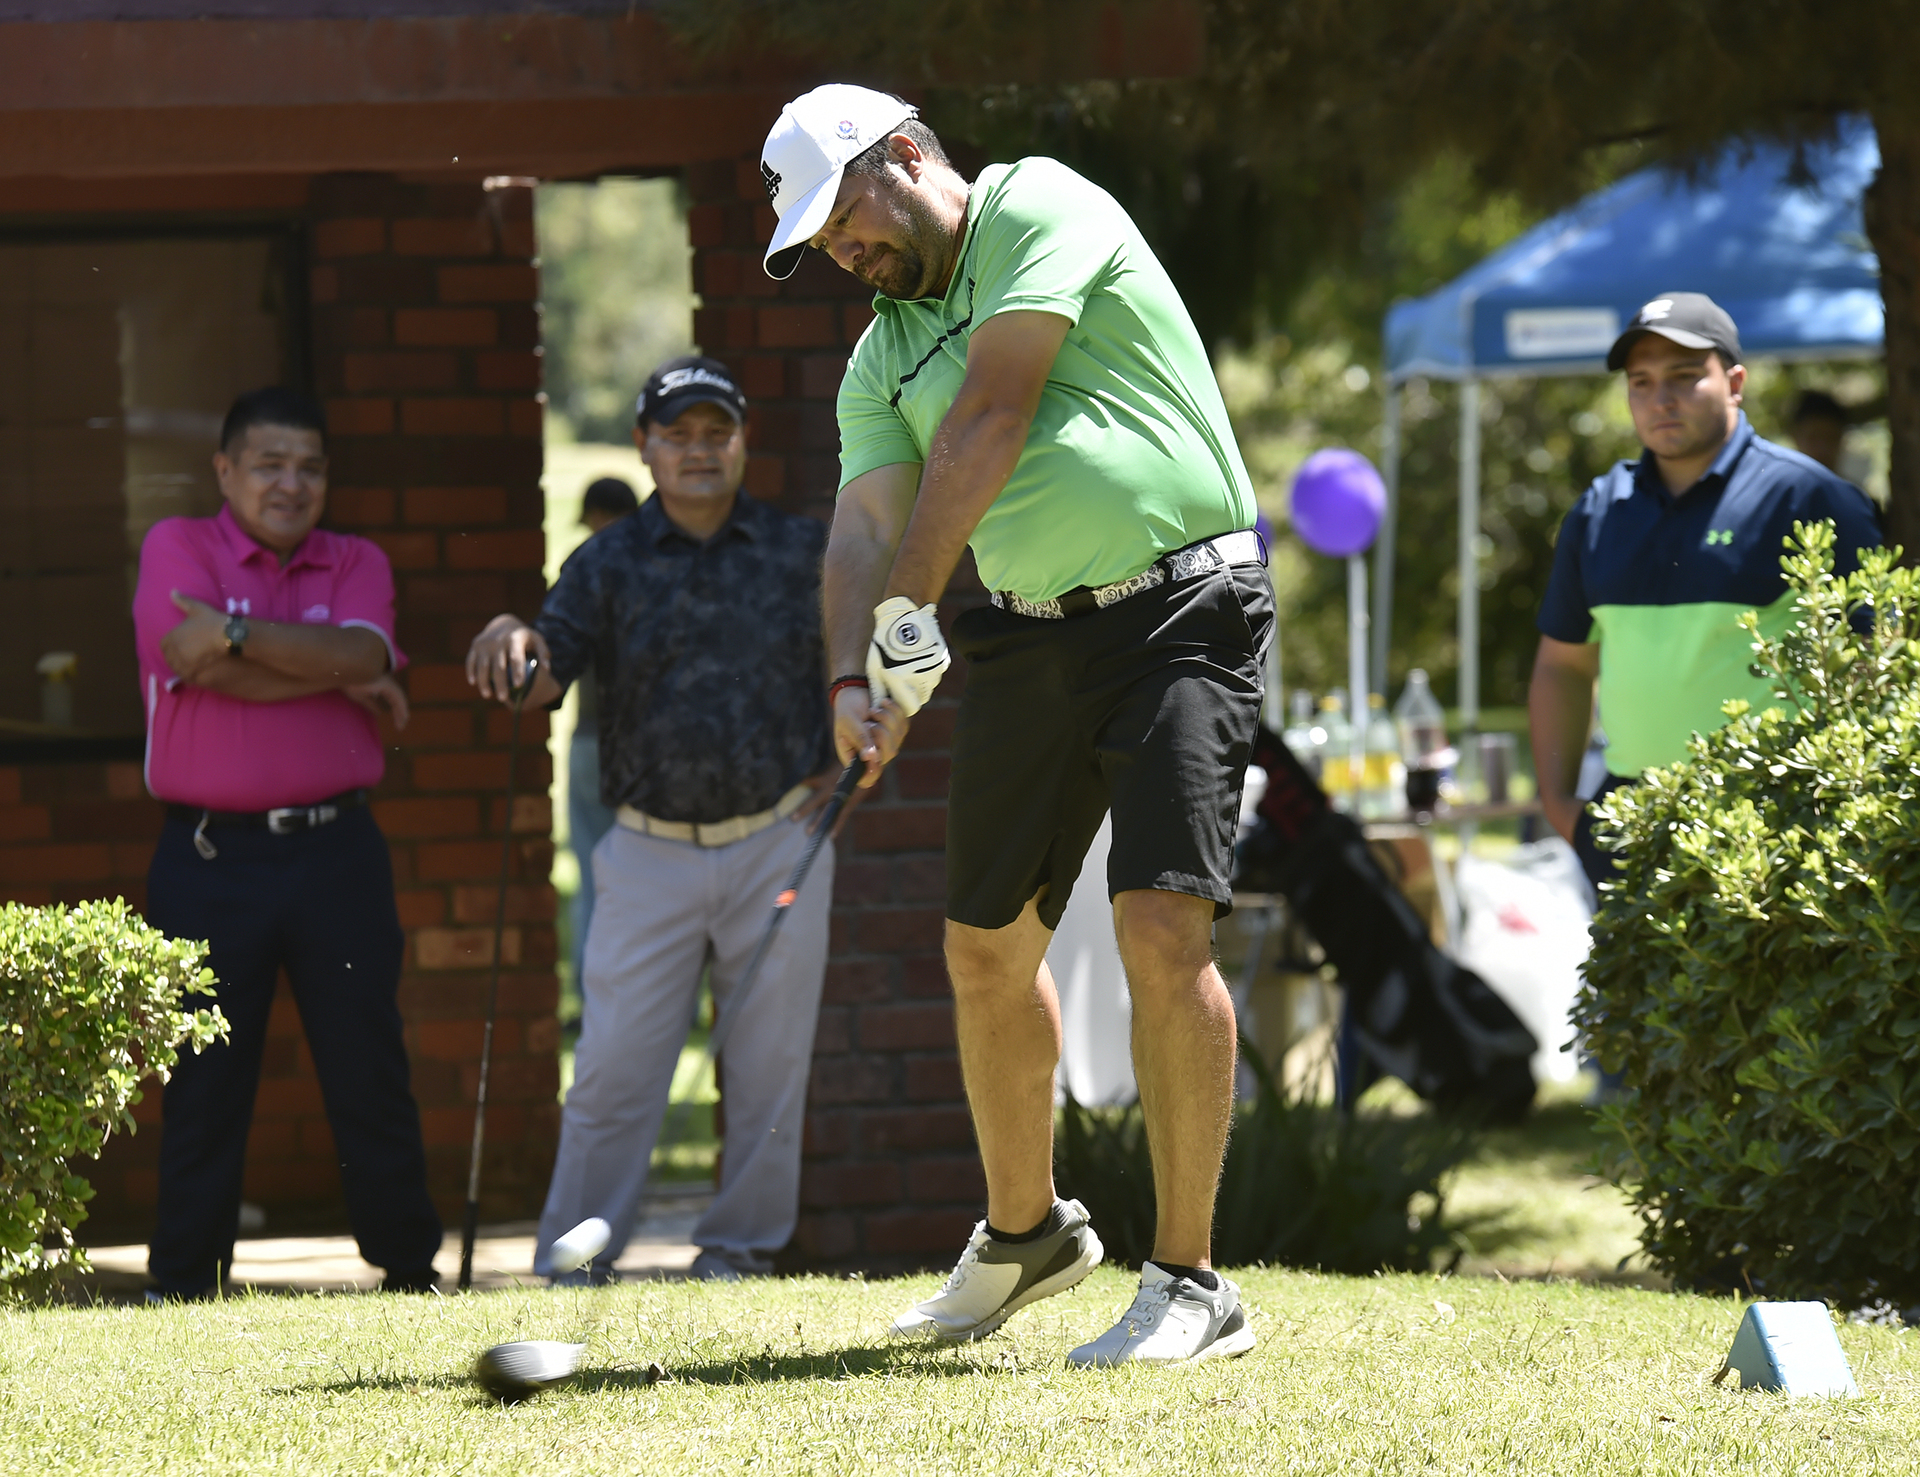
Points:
(1045, 243)
(872, 433)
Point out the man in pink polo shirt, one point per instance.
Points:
(266, 646)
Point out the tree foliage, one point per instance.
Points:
(616, 289)
(91, 1002)
(1756, 967)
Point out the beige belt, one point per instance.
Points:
(717, 833)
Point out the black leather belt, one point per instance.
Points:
(281, 822)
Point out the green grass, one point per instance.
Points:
(1536, 1210)
(1391, 1374)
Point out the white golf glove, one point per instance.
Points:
(907, 655)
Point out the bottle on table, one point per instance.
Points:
(1336, 752)
(1385, 775)
(1423, 742)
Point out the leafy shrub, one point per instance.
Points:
(1756, 967)
(90, 1002)
(1304, 1185)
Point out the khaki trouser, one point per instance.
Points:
(662, 910)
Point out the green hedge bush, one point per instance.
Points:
(90, 1003)
(1756, 967)
(1304, 1185)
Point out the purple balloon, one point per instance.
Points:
(1337, 502)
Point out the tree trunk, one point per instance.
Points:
(1893, 224)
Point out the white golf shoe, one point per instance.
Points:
(996, 1279)
(1173, 1320)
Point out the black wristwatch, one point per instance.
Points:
(236, 632)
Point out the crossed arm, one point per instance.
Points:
(281, 660)
(900, 529)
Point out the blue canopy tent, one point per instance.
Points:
(1790, 262)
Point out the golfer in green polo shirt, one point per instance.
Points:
(1032, 387)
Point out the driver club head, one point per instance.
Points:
(518, 1370)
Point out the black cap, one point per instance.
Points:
(1690, 319)
(689, 380)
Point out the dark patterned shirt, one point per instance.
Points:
(709, 658)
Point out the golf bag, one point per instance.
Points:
(1412, 1012)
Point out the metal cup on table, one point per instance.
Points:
(1496, 766)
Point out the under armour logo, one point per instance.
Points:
(1720, 536)
(239, 607)
(770, 177)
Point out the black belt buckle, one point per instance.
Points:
(1078, 601)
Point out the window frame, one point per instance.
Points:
(289, 235)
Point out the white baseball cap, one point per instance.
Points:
(807, 152)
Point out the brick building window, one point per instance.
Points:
(118, 356)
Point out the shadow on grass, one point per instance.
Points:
(1555, 1128)
(858, 1362)
(384, 1384)
(766, 1367)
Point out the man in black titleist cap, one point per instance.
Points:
(1660, 556)
(698, 618)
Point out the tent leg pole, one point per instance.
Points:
(1357, 673)
(1469, 614)
(1382, 630)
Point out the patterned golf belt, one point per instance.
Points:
(714, 833)
(1209, 554)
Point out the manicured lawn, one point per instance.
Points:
(1534, 1209)
(1392, 1374)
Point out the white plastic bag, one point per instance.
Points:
(1096, 1012)
(1524, 931)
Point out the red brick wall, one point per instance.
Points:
(427, 352)
(425, 343)
(891, 1174)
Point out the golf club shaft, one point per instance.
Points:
(783, 904)
(723, 1024)
(470, 1222)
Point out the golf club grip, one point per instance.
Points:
(830, 814)
(829, 817)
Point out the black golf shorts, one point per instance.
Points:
(1147, 708)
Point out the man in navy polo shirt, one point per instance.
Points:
(1659, 558)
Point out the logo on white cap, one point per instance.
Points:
(808, 150)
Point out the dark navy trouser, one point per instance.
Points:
(320, 904)
(1595, 860)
